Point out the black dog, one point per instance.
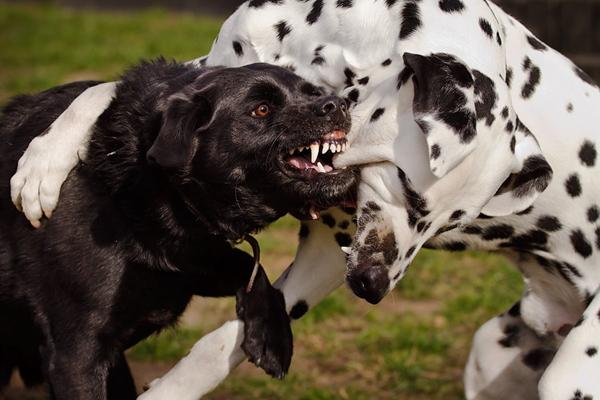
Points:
(183, 163)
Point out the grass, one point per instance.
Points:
(411, 346)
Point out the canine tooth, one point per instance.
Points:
(314, 214)
(314, 152)
(325, 148)
(291, 151)
(320, 167)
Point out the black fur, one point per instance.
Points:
(176, 170)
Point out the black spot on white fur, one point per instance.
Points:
(283, 29)
(343, 239)
(486, 97)
(536, 44)
(298, 310)
(435, 152)
(450, 6)
(580, 243)
(509, 74)
(486, 27)
(573, 185)
(237, 47)
(503, 231)
(591, 351)
(315, 12)
(411, 20)
(583, 76)
(588, 154)
(377, 114)
(593, 213)
(549, 223)
(533, 80)
(260, 3)
(328, 220)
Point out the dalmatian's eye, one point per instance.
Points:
(261, 111)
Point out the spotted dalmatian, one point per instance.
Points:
(473, 135)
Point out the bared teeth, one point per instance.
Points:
(336, 146)
(314, 152)
(320, 167)
(314, 214)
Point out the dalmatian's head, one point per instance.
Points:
(440, 142)
(450, 148)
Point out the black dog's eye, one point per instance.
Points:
(261, 111)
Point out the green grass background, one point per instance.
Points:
(411, 346)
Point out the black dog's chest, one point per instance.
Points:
(146, 303)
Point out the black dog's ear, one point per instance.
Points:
(443, 107)
(176, 143)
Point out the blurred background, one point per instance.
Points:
(411, 346)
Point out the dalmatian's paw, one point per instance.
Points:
(35, 187)
(268, 340)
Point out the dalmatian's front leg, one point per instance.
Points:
(318, 269)
(575, 370)
(49, 158)
(507, 359)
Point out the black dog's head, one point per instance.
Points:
(247, 145)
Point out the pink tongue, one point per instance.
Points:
(302, 163)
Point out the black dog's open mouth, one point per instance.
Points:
(316, 157)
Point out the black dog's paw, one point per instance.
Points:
(268, 340)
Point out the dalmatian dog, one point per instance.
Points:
(473, 134)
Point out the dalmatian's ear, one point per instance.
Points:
(531, 176)
(444, 108)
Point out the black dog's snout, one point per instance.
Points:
(370, 283)
(330, 105)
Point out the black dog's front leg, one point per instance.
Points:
(268, 340)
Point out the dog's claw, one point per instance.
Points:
(268, 340)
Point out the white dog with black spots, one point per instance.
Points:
(473, 135)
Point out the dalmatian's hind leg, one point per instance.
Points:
(574, 374)
(507, 360)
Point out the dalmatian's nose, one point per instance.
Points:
(370, 283)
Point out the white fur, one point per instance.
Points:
(361, 38)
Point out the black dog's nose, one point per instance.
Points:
(370, 283)
(329, 105)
